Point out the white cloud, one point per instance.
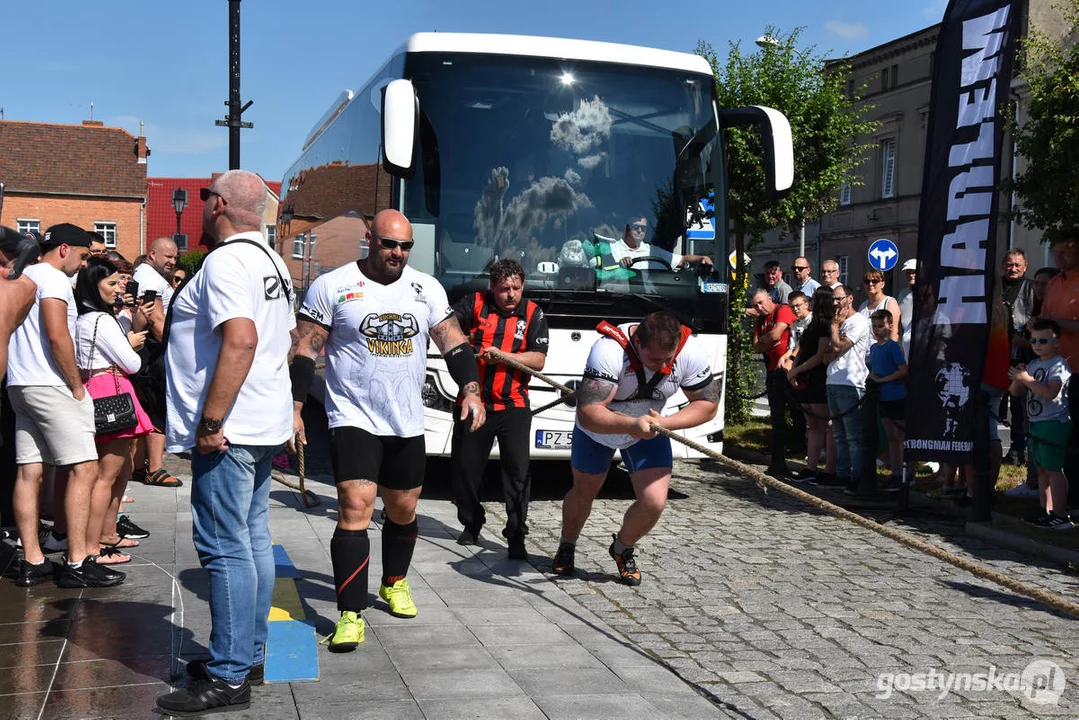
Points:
(846, 30)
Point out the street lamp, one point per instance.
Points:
(179, 202)
(767, 40)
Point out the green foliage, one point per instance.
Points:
(190, 261)
(1048, 137)
(825, 121)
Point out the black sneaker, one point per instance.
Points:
(891, 485)
(88, 575)
(127, 529)
(468, 537)
(35, 574)
(517, 550)
(1052, 521)
(209, 695)
(1036, 519)
(563, 560)
(826, 479)
(778, 471)
(197, 669)
(805, 475)
(627, 566)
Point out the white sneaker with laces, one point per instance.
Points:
(1021, 491)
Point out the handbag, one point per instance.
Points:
(112, 412)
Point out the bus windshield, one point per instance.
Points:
(587, 173)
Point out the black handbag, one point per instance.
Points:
(112, 412)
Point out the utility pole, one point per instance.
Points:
(232, 120)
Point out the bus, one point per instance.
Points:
(545, 150)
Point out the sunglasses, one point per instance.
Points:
(637, 227)
(390, 243)
(1041, 341)
(799, 267)
(205, 194)
(873, 282)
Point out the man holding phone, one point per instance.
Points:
(152, 278)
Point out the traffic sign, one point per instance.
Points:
(883, 254)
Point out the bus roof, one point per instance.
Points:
(529, 45)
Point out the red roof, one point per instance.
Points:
(161, 215)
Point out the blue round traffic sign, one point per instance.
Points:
(883, 254)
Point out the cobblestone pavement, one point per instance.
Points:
(778, 611)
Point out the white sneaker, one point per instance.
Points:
(1021, 491)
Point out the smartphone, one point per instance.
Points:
(149, 296)
(132, 288)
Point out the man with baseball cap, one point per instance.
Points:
(905, 298)
(54, 415)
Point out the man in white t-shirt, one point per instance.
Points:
(54, 415)
(374, 317)
(633, 246)
(228, 403)
(845, 385)
(155, 275)
(631, 372)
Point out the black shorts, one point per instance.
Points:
(393, 462)
(893, 409)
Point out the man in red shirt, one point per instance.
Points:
(771, 335)
(1061, 305)
(503, 320)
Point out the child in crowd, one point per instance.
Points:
(887, 368)
(1045, 382)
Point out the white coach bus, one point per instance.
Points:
(543, 150)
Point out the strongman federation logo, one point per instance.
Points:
(952, 383)
(389, 334)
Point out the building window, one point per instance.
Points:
(844, 193)
(25, 226)
(841, 261)
(107, 230)
(311, 243)
(884, 79)
(887, 168)
(271, 235)
(895, 76)
(181, 241)
(298, 246)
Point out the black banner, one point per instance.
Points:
(957, 226)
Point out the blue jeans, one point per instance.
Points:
(230, 497)
(846, 430)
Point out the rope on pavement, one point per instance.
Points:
(764, 481)
(309, 498)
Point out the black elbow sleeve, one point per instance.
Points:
(301, 372)
(461, 362)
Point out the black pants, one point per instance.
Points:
(470, 451)
(777, 403)
(1017, 419)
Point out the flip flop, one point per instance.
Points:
(121, 544)
(161, 478)
(112, 556)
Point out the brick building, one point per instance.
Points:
(90, 175)
(161, 213)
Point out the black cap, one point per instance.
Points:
(65, 234)
(9, 240)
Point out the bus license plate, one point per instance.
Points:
(554, 439)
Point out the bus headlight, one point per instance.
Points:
(433, 397)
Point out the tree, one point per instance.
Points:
(1048, 137)
(826, 122)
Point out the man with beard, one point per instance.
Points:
(374, 317)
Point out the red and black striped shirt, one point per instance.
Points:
(524, 330)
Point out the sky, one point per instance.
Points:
(165, 64)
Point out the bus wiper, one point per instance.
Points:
(659, 305)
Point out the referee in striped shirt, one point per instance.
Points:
(502, 319)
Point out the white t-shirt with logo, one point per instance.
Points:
(237, 280)
(619, 250)
(30, 360)
(850, 368)
(607, 361)
(376, 356)
(150, 279)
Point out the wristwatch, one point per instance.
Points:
(210, 425)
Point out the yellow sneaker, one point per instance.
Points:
(348, 633)
(399, 597)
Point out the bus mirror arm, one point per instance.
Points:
(778, 144)
(400, 122)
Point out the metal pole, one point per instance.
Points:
(178, 231)
(234, 84)
(802, 239)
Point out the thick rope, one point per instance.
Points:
(308, 498)
(764, 481)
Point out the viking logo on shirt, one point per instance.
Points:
(389, 334)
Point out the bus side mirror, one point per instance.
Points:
(778, 144)
(400, 115)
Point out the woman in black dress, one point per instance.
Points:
(808, 376)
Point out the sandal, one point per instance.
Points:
(123, 543)
(112, 556)
(161, 478)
